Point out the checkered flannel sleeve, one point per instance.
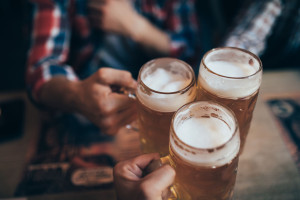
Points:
(178, 20)
(254, 26)
(49, 45)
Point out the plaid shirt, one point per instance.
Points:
(255, 25)
(270, 29)
(54, 52)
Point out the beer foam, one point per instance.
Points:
(236, 80)
(162, 80)
(204, 132)
(231, 69)
(207, 134)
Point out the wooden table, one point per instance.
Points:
(266, 169)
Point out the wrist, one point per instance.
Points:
(73, 98)
(60, 93)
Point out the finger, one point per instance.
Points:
(110, 125)
(111, 76)
(127, 116)
(143, 160)
(159, 180)
(132, 169)
(114, 103)
(108, 102)
(120, 101)
(124, 117)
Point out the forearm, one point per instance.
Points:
(153, 39)
(61, 94)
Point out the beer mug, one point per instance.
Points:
(164, 85)
(204, 151)
(231, 76)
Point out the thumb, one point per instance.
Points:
(159, 180)
(109, 76)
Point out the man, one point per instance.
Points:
(71, 40)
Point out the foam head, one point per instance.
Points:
(204, 132)
(164, 81)
(207, 132)
(166, 84)
(230, 73)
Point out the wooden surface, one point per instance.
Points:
(266, 169)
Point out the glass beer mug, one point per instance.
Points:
(164, 85)
(231, 76)
(204, 151)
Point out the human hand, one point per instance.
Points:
(101, 105)
(130, 183)
(116, 16)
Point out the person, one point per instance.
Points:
(270, 29)
(267, 28)
(82, 52)
(130, 183)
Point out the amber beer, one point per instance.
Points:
(204, 151)
(164, 85)
(231, 76)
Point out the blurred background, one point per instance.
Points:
(216, 19)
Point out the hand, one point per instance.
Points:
(130, 183)
(107, 109)
(116, 16)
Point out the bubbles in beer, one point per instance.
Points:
(165, 81)
(231, 69)
(228, 80)
(207, 134)
(204, 132)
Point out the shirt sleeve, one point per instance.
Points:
(254, 26)
(177, 18)
(49, 45)
(182, 29)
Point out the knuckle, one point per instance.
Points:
(110, 122)
(119, 169)
(102, 73)
(107, 131)
(169, 170)
(108, 126)
(127, 76)
(112, 131)
(105, 108)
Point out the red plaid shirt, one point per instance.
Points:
(53, 52)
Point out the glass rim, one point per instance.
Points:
(183, 90)
(227, 109)
(234, 49)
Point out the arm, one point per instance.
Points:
(94, 98)
(120, 17)
(254, 26)
(173, 34)
(49, 46)
(55, 85)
